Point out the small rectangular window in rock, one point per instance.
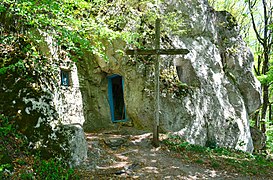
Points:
(65, 78)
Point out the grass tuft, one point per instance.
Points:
(220, 158)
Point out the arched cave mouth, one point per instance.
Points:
(116, 98)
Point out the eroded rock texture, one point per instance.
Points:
(206, 96)
(226, 93)
(212, 108)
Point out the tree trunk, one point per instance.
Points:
(265, 87)
(256, 118)
(270, 114)
(265, 102)
(264, 37)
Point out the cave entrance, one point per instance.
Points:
(116, 98)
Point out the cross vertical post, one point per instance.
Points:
(157, 102)
(157, 51)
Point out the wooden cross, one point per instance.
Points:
(157, 51)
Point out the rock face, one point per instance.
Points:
(67, 101)
(206, 96)
(221, 91)
(258, 138)
(217, 110)
(77, 144)
(48, 113)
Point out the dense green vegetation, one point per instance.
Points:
(72, 23)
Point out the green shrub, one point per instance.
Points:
(269, 135)
(6, 131)
(53, 169)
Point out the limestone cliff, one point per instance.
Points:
(218, 90)
(206, 96)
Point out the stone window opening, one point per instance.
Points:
(186, 73)
(65, 77)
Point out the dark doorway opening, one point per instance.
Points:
(116, 98)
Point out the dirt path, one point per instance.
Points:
(120, 155)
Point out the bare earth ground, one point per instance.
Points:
(128, 154)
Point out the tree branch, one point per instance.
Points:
(261, 40)
(253, 3)
(265, 22)
(259, 65)
(256, 71)
(270, 41)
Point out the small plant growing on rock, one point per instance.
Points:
(170, 83)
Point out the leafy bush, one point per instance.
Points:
(11, 146)
(269, 135)
(53, 169)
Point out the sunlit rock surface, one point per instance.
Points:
(206, 96)
(217, 112)
(67, 100)
(221, 92)
(55, 116)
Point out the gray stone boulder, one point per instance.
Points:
(258, 138)
(77, 144)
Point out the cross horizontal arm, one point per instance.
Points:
(159, 51)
